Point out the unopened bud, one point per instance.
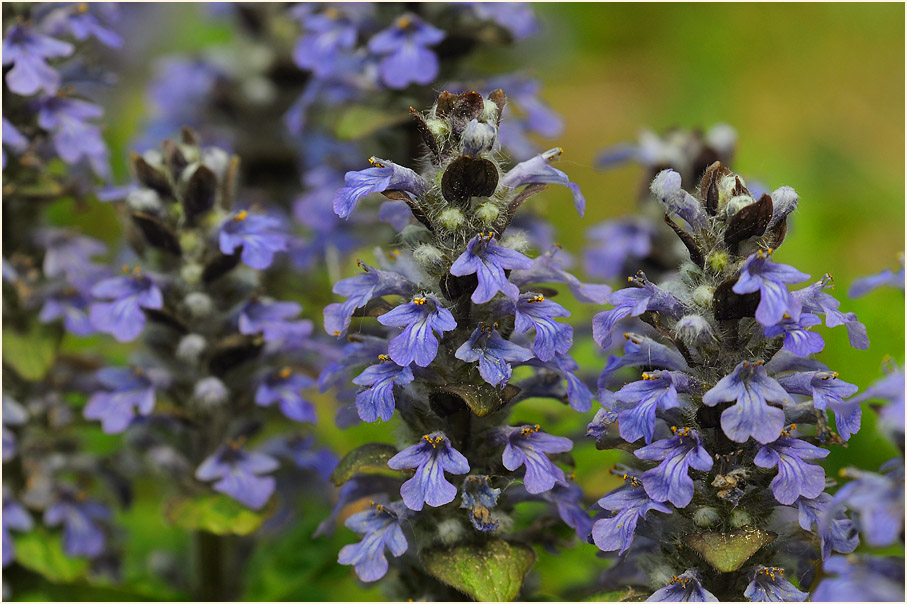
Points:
(191, 348)
(706, 517)
(739, 519)
(428, 255)
(210, 393)
(144, 200)
(452, 219)
(199, 304)
(479, 138)
(703, 295)
(487, 213)
(693, 329)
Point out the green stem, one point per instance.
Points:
(209, 554)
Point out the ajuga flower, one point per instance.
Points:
(769, 585)
(328, 36)
(127, 391)
(431, 457)
(479, 497)
(239, 474)
(27, 51)
(551, 337)
(382, 176)
(527, 445)
(683, 588)
(631, 504)
(15, 517)
(493, 353)
(752, 416)
(381, 527)
(670, 480)
(377, 400)
(887, 278)
(795, 478)
(359, 291)
(638, 402)
(285, 388)
(836, 531)
(258, 236)
(421, 318)
(488, 261)
(82, 535)
(861, 579)
(406, 57)
(122, 315)
(760, 273)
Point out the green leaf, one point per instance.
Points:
(45, 187)
(43, 553)
(727, 552)
(216, 514)
(367, 459)
(482, 399)
(489, 572)
(358, 121)
(30, 354)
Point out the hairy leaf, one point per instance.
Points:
(490, 572)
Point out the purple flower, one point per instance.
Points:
(769, 585)
(631, 503)
(13, 414)
(359, 290)
(570, 508)
(84, 20)
(861, 579)
(666, 188)
(876, 502)
(493, 353)
(299, 450)
(377, 401)
(28, 51)
(488, 261)
(670, 480)
(421, 317)
(71, 305)
(527, 445)
(122, 315)
(239, 472)
(259, 237)
(632, 302)
(640, 350)
(614, 242)
(827, 392)
(550, 268)
(683, 588)
(15, 517)
(74, 136)
(760, 273)
(578, 394)
(479, 497)
(381, 526)
(359, 350)
(81, 534)
(751, 387)
(382, 176)
(128, 390)
(862, 286)
(272, 320)
(797, 338)
(65, 252)
(838, 534)
(13, 139)
(795, 477)
(285, 387)
(431, 457)
(551, 337)
(516, 17)
(815, 300)
(328, 36)
(638, 402)
(404, 48)
(539, 170)
(889, 388)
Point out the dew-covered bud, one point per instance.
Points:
(451, 531)
(144, 200)
(428, 255)
(154, 158)
(737, 203)
(216, 159)
(452, 219)
(706, 517)
(210, 393)
(487, 213)
(739, 519)
(702, 295)
(479, 138)
(516, 240)
(191, 273)
(693, 329)
(717, 260)
(414, 234)
(199, 304)
(438, 128)
(191, 348)
(491, 113)
(784, 201)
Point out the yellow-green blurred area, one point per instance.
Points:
(816, 95)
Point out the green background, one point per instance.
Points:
(816, 95)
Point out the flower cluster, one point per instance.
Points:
(731, 408)
(458, 310)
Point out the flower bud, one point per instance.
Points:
(191, 273)
(487, 213)
(694, 329)
(478, 138)
(199, 304)
(516, 240)
(210, 393)
(737, 203)
(452, 219)
(414, 234)
(739, 519)
(706, 517)
(703, 295)
(428, 255)
(191, 348)
(450, 531)
(144, 200)
(438, 128)
(717, 260)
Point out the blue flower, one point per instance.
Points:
(516, 17)
(539, 170)
(570, 508)
(527, 445)
(27, 51)
(81, 534)
(13, 139)
(862, 286)
(760, 273)
(382, 176)
(670, 480)
(861, 579)
(493, 353)
(328, 37)
(422, 317)
(683, 588)
(769, 585)
(377, 401)
(359, 290)
(632, 302)
(632, 503)
(66, 253)
(666, 188)
(814, 300)
(359, 350)
(74, 136)
(751, 387)
(551, 337)
(640, 350)
(15, 517)
(381, 526)
(797, 339)
(70, 304)
(285, 387)
(837, 534)
(84, 20)
(122, 316)
(479, 497)
(550, 268)
(128, 390)
(13, 414)
(578, 394)
(795, 477)
(638, 402)
(272, 320)
(488, 260)
(876, 502)
(827, 392)
(889, 388)
(239, 472)
(431, 457)
(258, 236)
(403, 47)
(614, 242)
(304, 456)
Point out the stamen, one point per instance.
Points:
(242, 215)
(538, 298)
(383, 357)
(529, 430)
(375, 163)
(420, 300)
(285, 373)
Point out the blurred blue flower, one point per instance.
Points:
(13, 414)
(838, 533)
(238, 474)
(27, 51)
(128, 390)
(272, 320)
(403, 47)
(81, 534)
(539, 170)
(861, 579)
(550, 267)
(614, 242)
(876, 502)
(887, 278)
(328, 35)
(75, 138)
(891, 389)
(259, 237)
(285, 387)
(15, 517)
(121, 314)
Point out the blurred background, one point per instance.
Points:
(816, 95)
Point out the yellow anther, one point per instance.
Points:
(404, 22)
(375, 163)
(383, 357)
(528, 430)
(538, 298)
(125, 268)
(242, 215)
(336, 333)
(419, 300)
(285, 373)
(786, 316)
